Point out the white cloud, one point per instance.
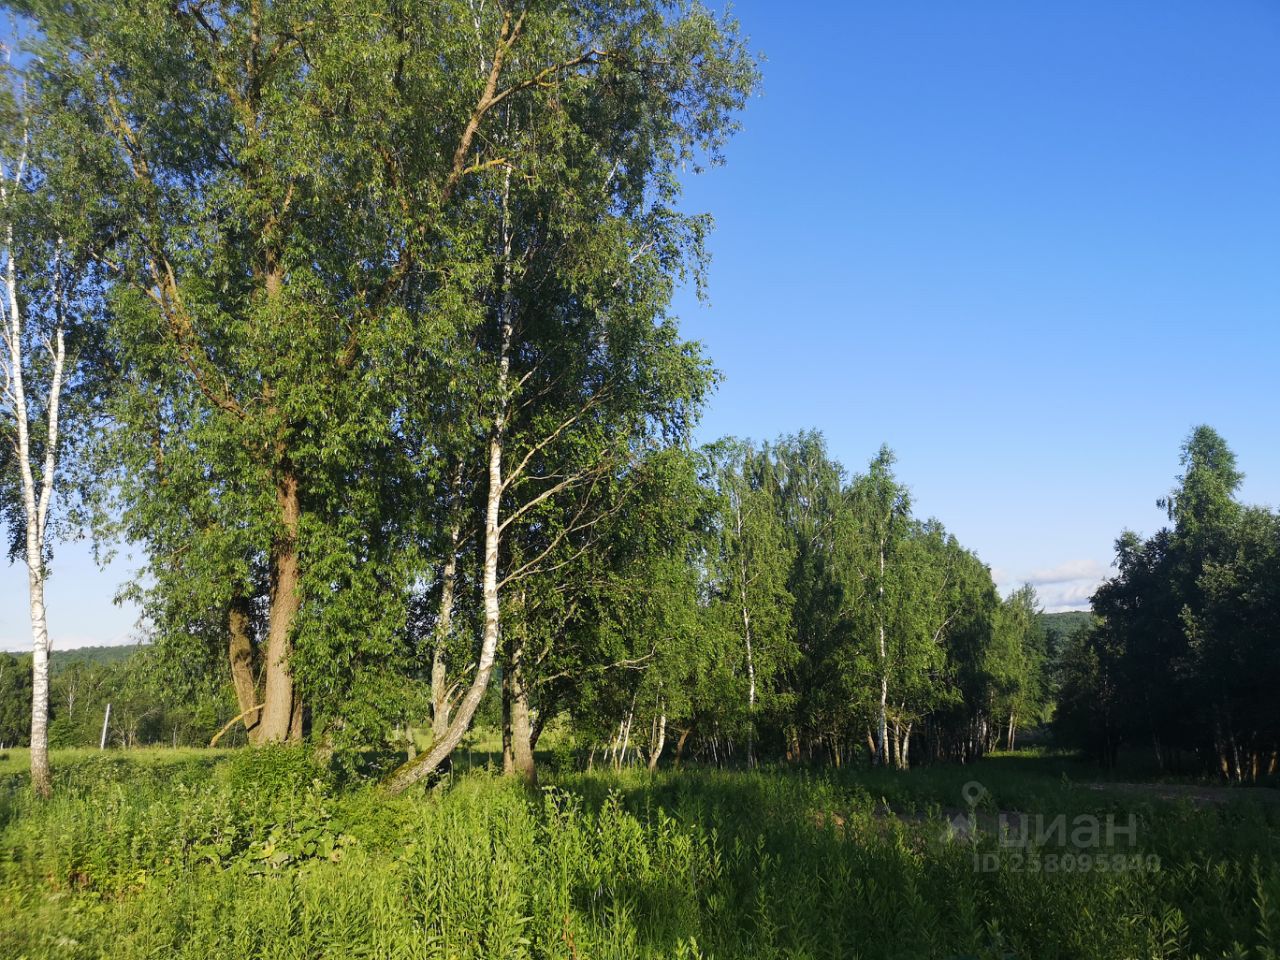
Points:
(1066, 596)
(1067, 586)
(1068, 572)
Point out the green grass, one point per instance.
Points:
(16, 761)
(259, 854)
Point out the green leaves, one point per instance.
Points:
(1183, 660)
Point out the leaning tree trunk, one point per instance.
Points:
(659, 741)
(681, 743)
(240, 652)
(425, 764)
(626, 736)
(444, 624)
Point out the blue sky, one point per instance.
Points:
(1029, 245)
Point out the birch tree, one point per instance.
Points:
(33, 366)
(880, 515)
(750, 573)
(585, 245)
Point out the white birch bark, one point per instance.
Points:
(37, 494)
(659, 741)
(470, 702)
(882, 719)
(444, 625)
(746, 636)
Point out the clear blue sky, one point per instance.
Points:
(1029, 245)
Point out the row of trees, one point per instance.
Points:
(751, 603)
(1183, 660)
(122, 700)
(791, 611)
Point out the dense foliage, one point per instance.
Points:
(385, 386)
(805, 615)
(354, 317)
(1183, 660)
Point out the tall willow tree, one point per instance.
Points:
(263, 210)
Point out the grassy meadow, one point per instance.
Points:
(238, 853)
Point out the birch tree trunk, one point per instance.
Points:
(426, 764)
(882, 718)
(444, 624)
(746, 636)
(626, 737)
(659, 741)
(40, 779)
(36, 495)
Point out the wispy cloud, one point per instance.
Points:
(1068, 572)
(1067, 586)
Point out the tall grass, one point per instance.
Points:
(262, 855)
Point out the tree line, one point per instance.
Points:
(1182, 662)
(794, 612)
(755, 603)
(112, 697)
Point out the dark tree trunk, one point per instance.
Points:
(241, 654)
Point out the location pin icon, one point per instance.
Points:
(973, 793)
